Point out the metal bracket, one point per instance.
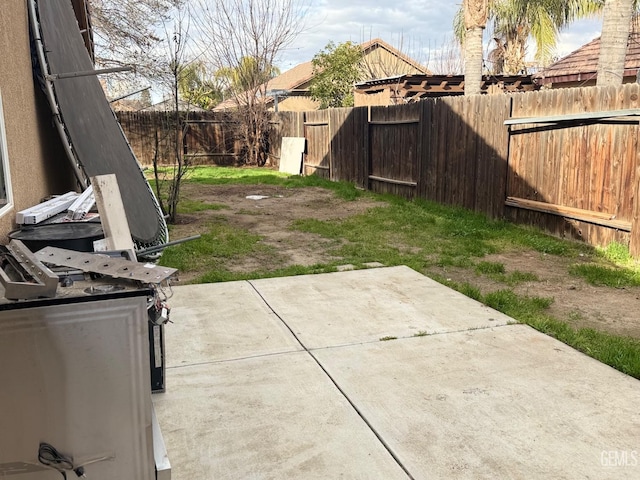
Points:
(86, 73)
(23, 276)
(104, 265)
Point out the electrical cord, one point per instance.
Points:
(49, 456)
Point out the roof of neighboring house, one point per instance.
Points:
(297, 77)
(582, 64)
(376, 42)
(293, 78)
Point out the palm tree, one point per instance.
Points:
(247, 76)
(195, 87)
(515, 21)
(475, 20)
(616, 25)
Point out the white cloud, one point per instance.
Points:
(411, 27)
(417, 28)
(577, 35)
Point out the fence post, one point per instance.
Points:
(634, 241)
(424, 142)
(367, 150)
(330, 126)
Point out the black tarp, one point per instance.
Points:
(95, 135)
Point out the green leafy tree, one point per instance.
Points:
(194, 87)
(336, 69)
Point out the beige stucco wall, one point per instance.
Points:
(37, 163)
(372, 99)
(589, 83)
(296, 104)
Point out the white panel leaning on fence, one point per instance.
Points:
(291, 155)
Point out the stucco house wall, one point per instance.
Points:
(296, 104)
(37, 163)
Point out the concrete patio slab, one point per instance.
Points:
(222, 321)
(508, 402)
(274, 417)
(480, 397)
(365, 305)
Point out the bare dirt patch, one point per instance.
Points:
(575, 301)
(615, 310)
(271, 218)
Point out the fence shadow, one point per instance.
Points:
(577, 180)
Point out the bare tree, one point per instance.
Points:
(447, 59)
(377, 63)
(176, 32)
(125, 33)
(235, 33)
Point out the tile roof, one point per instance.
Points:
(582, 64)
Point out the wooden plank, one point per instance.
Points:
(634, 241)
(367, 148)
(422, 149)
(574, 116)
(597, 218)
(396, 122)
(392, 181)
(442, 124)
(472, 126)
(195, 155)
(457, 151)
(500, 149)
(112, 214)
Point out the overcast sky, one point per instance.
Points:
(417, 28)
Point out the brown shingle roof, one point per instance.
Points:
(293, 78)
(582, 64)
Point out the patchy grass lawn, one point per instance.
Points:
(580, 295)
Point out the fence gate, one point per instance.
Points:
(317, 158)
(393, 143)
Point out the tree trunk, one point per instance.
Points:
(475, 19)
(473, 61)
(616, 25)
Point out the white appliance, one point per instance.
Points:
(74, 373)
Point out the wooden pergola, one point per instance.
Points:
(410, 88)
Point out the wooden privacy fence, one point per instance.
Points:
(574, 177)
(206, 138)
(553, 165)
